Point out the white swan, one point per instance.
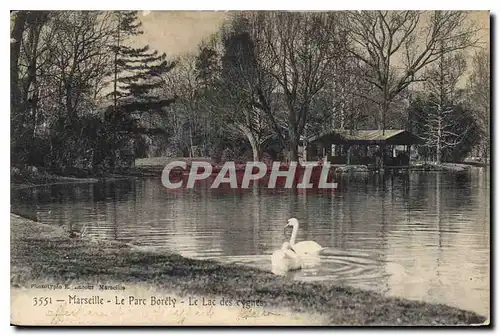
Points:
(285, 259)
(302, 248)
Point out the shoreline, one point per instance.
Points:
(155, 166)
(48, 179)
(32, 177)
(40, 251)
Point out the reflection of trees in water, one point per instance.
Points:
(456, 189)
(442, 256)
(257, 215)
(64, 193)
(459, 191)
(116, 198)
(439, 229)
(366, 206)
(356, 212)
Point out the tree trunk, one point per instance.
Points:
(438, 151)
(294, 148)
(257, 153)
(384, 110)
(439, 135)
(32, 79)
(191, 154)
(15, 49)
(70, 109)
(256, 146)
(115, 70)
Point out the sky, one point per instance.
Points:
(179, 32)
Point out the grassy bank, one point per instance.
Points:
(39, 251)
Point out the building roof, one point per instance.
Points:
(388, 136)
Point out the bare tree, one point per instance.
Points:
(16, 36)
(298, 50)
(80, 57)
(35, 46)
(479, 93)
(397, 45)
(182, 82)
(442, 129)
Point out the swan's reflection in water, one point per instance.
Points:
(342, 267)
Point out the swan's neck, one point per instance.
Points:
(294, 234)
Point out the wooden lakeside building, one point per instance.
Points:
(388, 148)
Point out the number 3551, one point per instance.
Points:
(42, 301)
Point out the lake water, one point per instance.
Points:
(423, 236)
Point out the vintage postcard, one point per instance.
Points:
(270, 168)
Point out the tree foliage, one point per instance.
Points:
(82, 88)
(62, 64)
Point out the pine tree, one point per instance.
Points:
(136, 71)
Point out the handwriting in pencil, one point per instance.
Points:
(62, 312)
